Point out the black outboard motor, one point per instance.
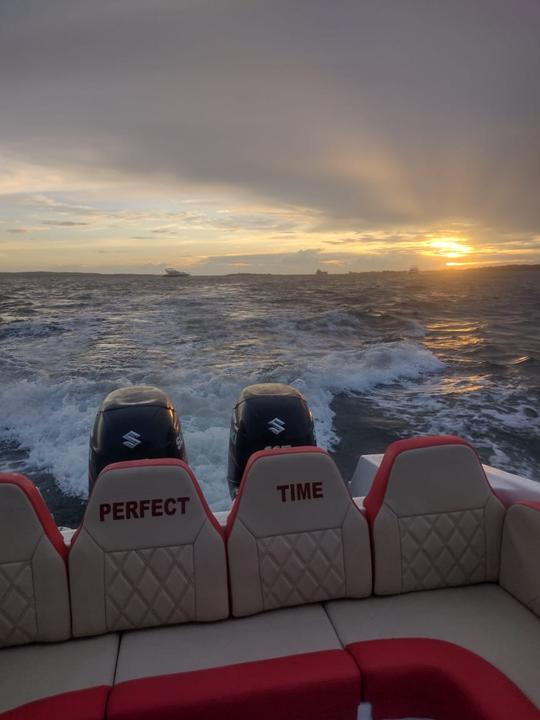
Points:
(134, 423)
(266, 416)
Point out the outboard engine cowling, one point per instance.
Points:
(265, 416)
(134, 423)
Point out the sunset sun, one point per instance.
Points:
(451, 248)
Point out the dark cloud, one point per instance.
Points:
(64, 223)
(373, 114)
(17, 231)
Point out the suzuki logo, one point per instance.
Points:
(131, 439)
(276, 426)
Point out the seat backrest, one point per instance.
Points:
(294, 535)
(149, 551)
(520, 569)
(34, 599)
(435, 521)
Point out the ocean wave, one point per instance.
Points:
(51, 420)
(433, 366)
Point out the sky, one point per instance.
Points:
(220, 136)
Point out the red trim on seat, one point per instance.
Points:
(88, 704)
(298, 450)
(375, 497)
(40, 508)
(421, 677)
(314, 686)
(529, 503)
(156, 462)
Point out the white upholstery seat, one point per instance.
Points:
(34, 601)
(483, 619)
(285, 663)
(520, 565)
(294, 535)
(435, 520)
(185, 648)
(436, 528)
(67, 679)
(43, 677)
(148, 552)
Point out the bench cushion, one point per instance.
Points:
(59, 680)
(436, 679)
(286, 663)
(482, 619)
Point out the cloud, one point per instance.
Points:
(352, 118)
(16, 231)
(64, 223)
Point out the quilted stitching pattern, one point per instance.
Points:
(17, 604)
(442, 549)
(301, 568)
(148, 587)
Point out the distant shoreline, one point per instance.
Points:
(498, 268)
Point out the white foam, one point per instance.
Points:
(51, 418)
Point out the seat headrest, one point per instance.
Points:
(290, 490)
(149, 551)
(139, 503)
(295, 535)
(435, 522)
(34, 601)
(24, 518)
(428, 475)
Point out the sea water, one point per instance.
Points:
(378, 356)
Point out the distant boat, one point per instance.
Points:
(321, 272)
(171, 272)
(414, 270)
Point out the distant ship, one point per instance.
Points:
(321, 272)
(414, 270)
(171, 272)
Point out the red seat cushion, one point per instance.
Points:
(88, 704)
(314, 686)
(436, 679)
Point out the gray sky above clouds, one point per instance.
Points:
(202, 133)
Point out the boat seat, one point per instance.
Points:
(284, 663)
(43, 674)
(294, 535)
(148, 552)
(520, 568)
(443, 639)
(477, 647)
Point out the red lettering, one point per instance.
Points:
(303, 491)
(118, 510)
(283, 490)
(183, 501)
(138, 509)
(157, 507)
(131, 509)
(170, 506)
